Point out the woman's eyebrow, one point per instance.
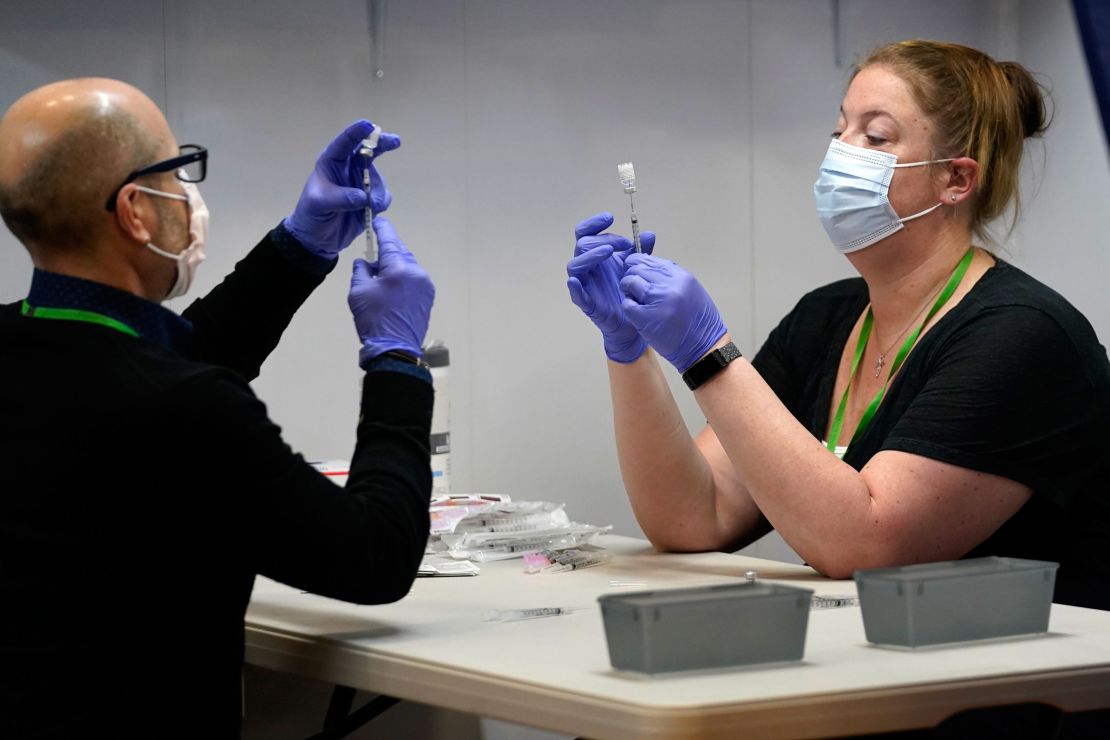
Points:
(874, 113)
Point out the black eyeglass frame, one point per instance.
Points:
(197, 154)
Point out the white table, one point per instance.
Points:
(435, 647)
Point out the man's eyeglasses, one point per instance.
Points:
(191, 165)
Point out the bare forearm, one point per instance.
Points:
(672, 487)
(900, 508)
(818, 503)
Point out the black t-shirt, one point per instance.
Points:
(1012, 382)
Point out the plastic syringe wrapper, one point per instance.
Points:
(487, 546)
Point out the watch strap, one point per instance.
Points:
(405, 357)
(701, 371)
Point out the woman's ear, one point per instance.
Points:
(963, 176)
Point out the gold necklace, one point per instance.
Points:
(879, 363)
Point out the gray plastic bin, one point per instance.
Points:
(956, 600)
(705, 627)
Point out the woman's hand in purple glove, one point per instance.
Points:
(331, 210)
(593, 276)
(391, 299)
(670, 309)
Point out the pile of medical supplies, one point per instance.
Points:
(486, 527)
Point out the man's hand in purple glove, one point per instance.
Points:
(391, 299)
(593, 276)
(670, 309)
(331, 209)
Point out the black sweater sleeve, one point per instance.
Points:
(239, 323)
(362, 543)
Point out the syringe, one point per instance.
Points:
(574, 560)
(512, 615)
(369, 144)
(832, 602)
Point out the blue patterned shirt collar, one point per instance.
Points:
(150, 321)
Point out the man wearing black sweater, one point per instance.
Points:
(125, 585)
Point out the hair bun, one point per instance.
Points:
(1030, 98)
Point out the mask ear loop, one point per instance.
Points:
(926, 212)
(162, 193)
(924, 163)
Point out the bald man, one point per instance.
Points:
(143, 485)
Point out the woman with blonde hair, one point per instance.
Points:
(942, 405)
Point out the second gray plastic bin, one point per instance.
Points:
(954, 601)
(705, 627)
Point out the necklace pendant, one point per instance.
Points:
(879, 364)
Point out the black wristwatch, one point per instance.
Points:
(705, 368)
(405, 357)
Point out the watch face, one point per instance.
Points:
(705, 368)
(724, 355)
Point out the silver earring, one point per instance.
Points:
(953, 199)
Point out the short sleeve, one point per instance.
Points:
(1005, 394)
(799, 359)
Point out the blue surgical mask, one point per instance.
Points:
(851, 193)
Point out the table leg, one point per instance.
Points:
(340, 721)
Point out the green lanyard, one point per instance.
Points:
(76, 314)
(865, 334)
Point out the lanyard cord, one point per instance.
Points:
(861, 344)
(76, 314)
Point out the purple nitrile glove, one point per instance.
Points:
(670, 309)
(331, 211)
(594, 273)
(391, 299)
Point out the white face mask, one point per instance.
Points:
(188, 259)
(851, 193)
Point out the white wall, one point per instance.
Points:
(513, 116)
